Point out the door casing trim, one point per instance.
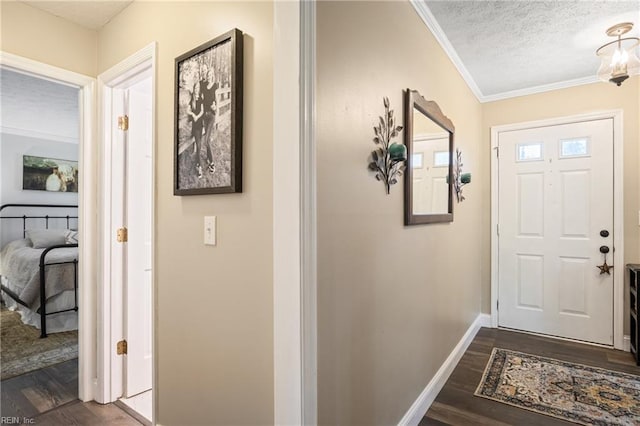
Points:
(109, 313)
(618, 212)
(294, 215)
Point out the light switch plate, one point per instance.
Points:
(210, 230)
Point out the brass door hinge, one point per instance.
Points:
(121, 347)
(122, 235)
(123, 122)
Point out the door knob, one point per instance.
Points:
(604, 249)
(604, 233)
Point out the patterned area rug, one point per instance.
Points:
(22, 350)
(578, 393)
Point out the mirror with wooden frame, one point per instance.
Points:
(428, 188)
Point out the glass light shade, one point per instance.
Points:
(618, 60)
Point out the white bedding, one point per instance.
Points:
(56, 323)
(19, 262)
(20, 272)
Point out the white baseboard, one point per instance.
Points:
(421, 405)
(484, 320)
(626, 343)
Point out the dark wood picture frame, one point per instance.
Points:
(431, 110)
(211, 73)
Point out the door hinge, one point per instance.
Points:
(123, 122)
(121, 347)
(497, 305)
(497, 229)
(497, 151)
(122, 235)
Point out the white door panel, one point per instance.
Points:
(138, 285)
(555, 196)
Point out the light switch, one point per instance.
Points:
(210, 230)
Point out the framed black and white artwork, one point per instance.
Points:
(208, 117)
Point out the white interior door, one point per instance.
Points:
(555, 199)
(138, 283)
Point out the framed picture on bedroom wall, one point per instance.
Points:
(208, 117)
(49, 174)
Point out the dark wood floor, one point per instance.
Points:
(456, 404)
(50, 397)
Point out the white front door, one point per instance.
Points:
(138, 284)
(555, 211)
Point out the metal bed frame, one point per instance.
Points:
(43, 263)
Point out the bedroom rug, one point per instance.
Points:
(22, 350)
(573, 392)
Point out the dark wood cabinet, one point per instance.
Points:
(634, 283)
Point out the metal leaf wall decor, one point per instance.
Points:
(387, 161)
(460, 179)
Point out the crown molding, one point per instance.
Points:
(31, 133)
(540, 89)
(430, 21)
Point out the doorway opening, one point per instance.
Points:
(43, 197)
(557, 214)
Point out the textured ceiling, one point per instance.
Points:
(507, 46)
(91, 14)
(38, 108)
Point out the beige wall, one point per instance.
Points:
(566, 102)
(214, 304)
(38, 35)
(392, 300)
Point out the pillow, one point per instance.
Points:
(44, 238)
(71, 237)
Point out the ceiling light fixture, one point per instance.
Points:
(618, 58)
